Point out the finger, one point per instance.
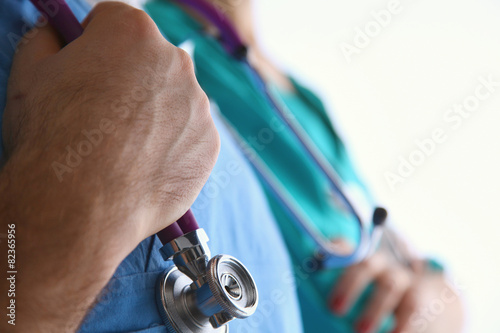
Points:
(108, 7)
(342, 246)
(405, 310)
(390, 287)
(354, 282)
(37, 44)
(111, 22)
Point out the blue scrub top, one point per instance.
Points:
(231, 208)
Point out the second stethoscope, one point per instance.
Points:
(325, 255)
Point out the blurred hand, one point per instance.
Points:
(108, 140)
(408, 294)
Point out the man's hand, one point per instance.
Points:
(108, 140)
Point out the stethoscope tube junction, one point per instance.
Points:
(199, 294)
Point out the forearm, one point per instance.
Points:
(65, 250)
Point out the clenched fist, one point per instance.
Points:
(108, 140)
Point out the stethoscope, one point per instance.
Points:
(325, 256)
(200, 293)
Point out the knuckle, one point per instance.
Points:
(136, 25)
(102, 7)
(389, 284)
(199, 105)
(368, 265)
(110, 9)
(140, 19)
(210, 138)
(412, 301)
(394, 281)
(186, 66)
(203, 103)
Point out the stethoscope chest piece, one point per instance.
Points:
(226, 291)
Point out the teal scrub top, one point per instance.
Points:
(226, 81)
(232, 208)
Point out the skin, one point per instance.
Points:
(143, 175)
(408, 293)
(398, 290)
(158, 150)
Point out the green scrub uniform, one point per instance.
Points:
(244, 107)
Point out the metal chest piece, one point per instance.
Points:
(198, 295)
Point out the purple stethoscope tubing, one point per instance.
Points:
(228, 34)
(232, 43)
(67, 25)
(62, 19)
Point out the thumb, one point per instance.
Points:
(37, 44)
(43, 40)
(106, 10)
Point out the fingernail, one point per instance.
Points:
(337, 304)
(364, 326)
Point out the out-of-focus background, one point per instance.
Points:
(403, 77)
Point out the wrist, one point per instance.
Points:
(67, 245)
(90, 201)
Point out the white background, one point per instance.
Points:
(396, 91)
